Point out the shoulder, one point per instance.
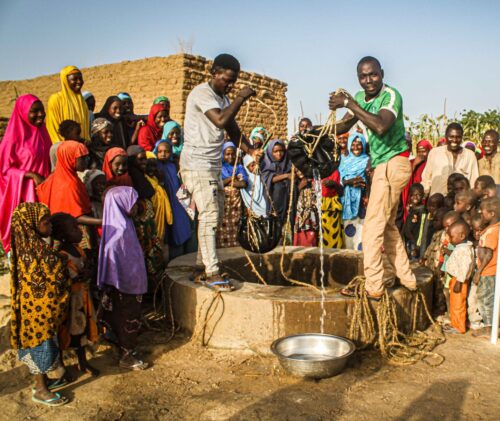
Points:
(360, 95)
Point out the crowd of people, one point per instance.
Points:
(93, 205)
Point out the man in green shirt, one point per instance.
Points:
(380, 108)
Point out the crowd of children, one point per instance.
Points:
(93, 207)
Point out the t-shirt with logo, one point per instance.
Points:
(393, 142)
(203, 140)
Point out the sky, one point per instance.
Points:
(430, 50)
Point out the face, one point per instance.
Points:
(477, 228)
(416, 197)
(127, 106)
(75, 82)
(82, 163)
(487, 215)
(278, 152)
(357, 148)
(304, 126)
(437, 222)
(119, 165)
(151, 168)
(90, 103)
(98, 186)
(164, 152)
(223, 81)
(161, 118)
(115, 110)
(342, 140)
(252, 167)
(461, 206)
(141, 161)
(74, 234)
(106, 135)
(175, 136)
(459, 186)
(257, 143)
(432, 206)
(75, 133)
(447, 222)
(230, 155)
(422, 152)
(36, 114)
(370, 77)
(457, 235)
(489, 144)
(45, 227)
(166, 104)
(454, 138)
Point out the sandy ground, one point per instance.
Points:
(188, 382)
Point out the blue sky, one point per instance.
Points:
(430, 50)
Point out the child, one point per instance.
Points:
(101, 141)
(487, 253)
(417, 214)
(39, 291)
(122, 273)
(172, 133)
(465, 202)
(115, 168)
(435, 202)
(69, 130)
(449, 199)
(95, 183)
(459, 267)
(254, 195)
(481, 184)
(80, 327)
(234, 178)
(477, 227)
(331, 210)
(306, 227)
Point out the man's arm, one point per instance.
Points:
(485, 254)
(222, 118)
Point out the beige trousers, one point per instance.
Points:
(380, 229)
(207, 191)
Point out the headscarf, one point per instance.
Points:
(119, 180)
(63, 191)
(227, 169)
(149, 133)
(139, 180)
(89, 177)
(159, 99)
(167, 128)
(67, 105)
(162, 207)
(253, 194)
(121, 135)
(180, 231)
(86, 95)
(97, 148)
(100, 124)
(256, 133)
(121, 260)
(40, 283)
(24, 148)
(124, 95)
(350, 167)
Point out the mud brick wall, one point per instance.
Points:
(173, 76)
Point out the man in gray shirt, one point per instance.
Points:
(208, 113)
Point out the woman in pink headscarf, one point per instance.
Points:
(24, 159)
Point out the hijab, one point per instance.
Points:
(121, 135)
(159, 99)
(259, 133)
(67, 105)
(352, 166)
(167, 128)
(253, 194)
(115, 180)
(24, 148)
(227, 169)
(121, 260)
(139, 180)
(149, 133)
(97, 148)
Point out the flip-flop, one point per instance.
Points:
(53, 384)
(214, 285)
(57, 400)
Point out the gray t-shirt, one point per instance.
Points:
(203, 141)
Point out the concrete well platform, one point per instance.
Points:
(254, 315)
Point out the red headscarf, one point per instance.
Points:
(120, 180)
(63, 191)
(424, 143)
(150, 134)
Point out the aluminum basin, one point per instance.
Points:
(313, 355)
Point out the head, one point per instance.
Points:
(164, 151)
(357, 147)
(75, 81)
(416, 194)
(151, 167)
(70, 130)
(36, 114)
(114, 109)
(423, 149)
(490, 142)
(89, 99)
(82, 163)
(370, 76)
(305, 125)
(174, 135)
(490, 210)
(137, 157)
(102, 130)
(161, 118)
(98, 185)
(435, 202)
(477, 226)
(65, 228)
(451, 180)
(449, 219)
(465, 201)
(119, 165)
(163, 100)
(278, 152)
(44, 227)
(458, 232)
(127, 103)
(225, 71)
(461, 184)
(342, 141)
(481, 183)
(229, 153)
(490, 191)
(454, 136)
(437, 221)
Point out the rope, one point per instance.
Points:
(382, 331)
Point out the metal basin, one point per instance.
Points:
(313, 355)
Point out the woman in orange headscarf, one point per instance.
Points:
(68, 104)
(152, 131)
(115, 168)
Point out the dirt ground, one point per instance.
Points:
(187, 382)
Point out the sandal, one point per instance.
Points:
(54, 384)
(221, 283)
(57, 400)
(131, 362)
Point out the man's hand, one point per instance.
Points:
(256, 154)
(339, 100)
(246, 92)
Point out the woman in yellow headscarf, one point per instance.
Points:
(68, 104)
